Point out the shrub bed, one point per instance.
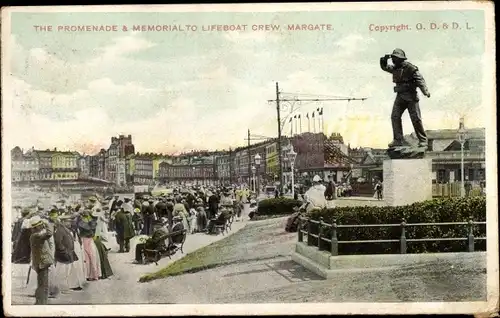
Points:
(277, 206)
(432, 211)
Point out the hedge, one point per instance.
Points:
(432, 211)
(277, 206)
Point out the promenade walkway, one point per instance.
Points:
(123, 287)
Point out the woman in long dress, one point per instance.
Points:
(86, 227)
(76, 270)
(180, 210)
(201, 216)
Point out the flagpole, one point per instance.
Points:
(300, 124)
(322, 121)
(308, 123)
(291, 127)
(314, 123)
(296, 130)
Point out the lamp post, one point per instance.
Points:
(253, 178)
(257, 159)
(291, 158)
(462, 137)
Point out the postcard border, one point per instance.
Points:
(491, 305)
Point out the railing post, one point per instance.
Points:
(320, 232)
(309, 240)
(299, 230)
(470, 238)
(402, 239)
(335, 241)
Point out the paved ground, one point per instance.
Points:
(123, 287)
(261, 271)
(264, 272)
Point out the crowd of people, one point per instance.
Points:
(66, 245)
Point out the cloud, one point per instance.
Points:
(192, 99)
(353, 43)
(247, 38)
(122, 46)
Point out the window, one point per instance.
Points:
(440, 176)
(471, 175)
(480, 174)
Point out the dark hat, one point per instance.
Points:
(399, 53)
(25, 211)
(126, 199)
(157, 223)
(119, 202)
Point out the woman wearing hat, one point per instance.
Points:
(86, 229)
(201, 216)
(21, 239)
(180, 211)
(102, 224)
(65, 255)
(315, 196)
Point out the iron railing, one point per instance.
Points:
(403, 240)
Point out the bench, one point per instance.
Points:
(222, 224)
(155, 255)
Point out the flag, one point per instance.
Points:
(290, 120)
(321, 111)
(299, 116)
(313, 115)
(295, 116)
(317, 110)
(307, 115)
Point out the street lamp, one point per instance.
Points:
(291, 157)
(253, 177)
(462, 137)
(257, 159)
(195, 180)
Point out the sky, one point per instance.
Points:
(178, 91)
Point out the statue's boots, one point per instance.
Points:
(423, 144)
(395, 143)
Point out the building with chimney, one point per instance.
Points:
(124, 145)
(25, 166)
(116, 159)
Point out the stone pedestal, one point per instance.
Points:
(407, 181)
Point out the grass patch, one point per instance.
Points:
(204, 258)
(232, 249)
(266, 217)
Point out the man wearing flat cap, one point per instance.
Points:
(42, 257)
(406, 78)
